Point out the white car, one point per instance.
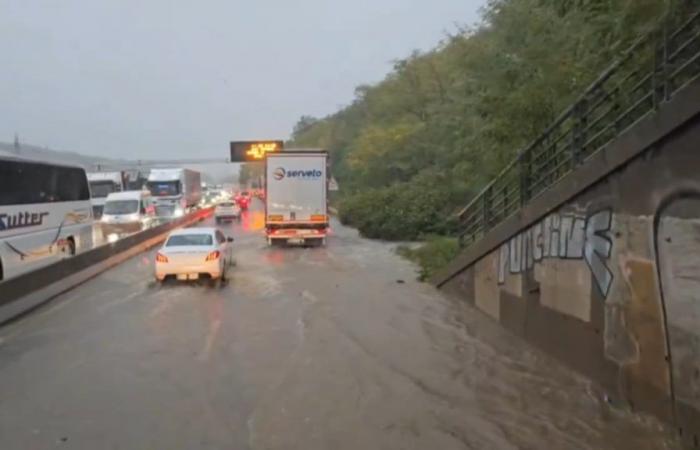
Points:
(227, 211)
(193, 253)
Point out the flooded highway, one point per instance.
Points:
(318, 348)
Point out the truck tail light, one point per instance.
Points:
(161, 258)
(213, 256)
(275, 217)
(318, 217)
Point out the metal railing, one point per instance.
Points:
(655, 68)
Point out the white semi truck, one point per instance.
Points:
(101, 185)
(176, 191)
(296, 206)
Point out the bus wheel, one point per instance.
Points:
(71, 246)
(2, 274)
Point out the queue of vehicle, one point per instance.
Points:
(53, 216)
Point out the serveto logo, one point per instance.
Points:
(304, 174)
(21, 220)
(279, 173)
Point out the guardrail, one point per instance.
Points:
(27, 291)
(654, 69)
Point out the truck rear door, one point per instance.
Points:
(296, 188)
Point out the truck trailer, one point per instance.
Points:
(296, 207)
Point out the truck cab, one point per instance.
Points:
(176, 191)
(101, 185)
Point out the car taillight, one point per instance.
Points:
(213, 256)
(161, 258)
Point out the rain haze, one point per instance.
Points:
(163, 78)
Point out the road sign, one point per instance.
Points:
(247, 151)
(333, 185)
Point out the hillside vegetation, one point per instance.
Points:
(415, 147)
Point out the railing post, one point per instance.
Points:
(580, 118)
(524, 163)
(659, 76)
(664, 63)
(486, 208)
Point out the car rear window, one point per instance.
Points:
(189, 239)
(226, 204)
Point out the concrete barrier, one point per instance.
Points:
(30, 290)
(603, 269)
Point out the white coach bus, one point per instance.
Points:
(45, 214)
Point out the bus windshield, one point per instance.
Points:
(121, 207)
(163, 188)
(100, 189)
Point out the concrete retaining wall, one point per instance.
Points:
(28, 291)
(603, 270)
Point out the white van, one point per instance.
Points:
(128, 212)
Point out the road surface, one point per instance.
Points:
(323, 348)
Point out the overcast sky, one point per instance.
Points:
(181, 78)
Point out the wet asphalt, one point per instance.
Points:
(320, 348)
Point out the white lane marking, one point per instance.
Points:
(162, 306)
(168, 299)
(214, 327)
(105, 306)
(309, 297)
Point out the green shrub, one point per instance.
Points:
(433, 255)
(403, 211)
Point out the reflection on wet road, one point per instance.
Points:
(304, 349)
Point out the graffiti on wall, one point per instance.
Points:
(562, 236)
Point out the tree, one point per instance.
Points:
(445, 121)
(250, 173)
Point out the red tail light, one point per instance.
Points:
(161, 258)
(213, 256)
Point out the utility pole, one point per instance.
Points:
(17, 145)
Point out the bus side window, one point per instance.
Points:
(68, 185)
(10, 183)
(39, 184)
